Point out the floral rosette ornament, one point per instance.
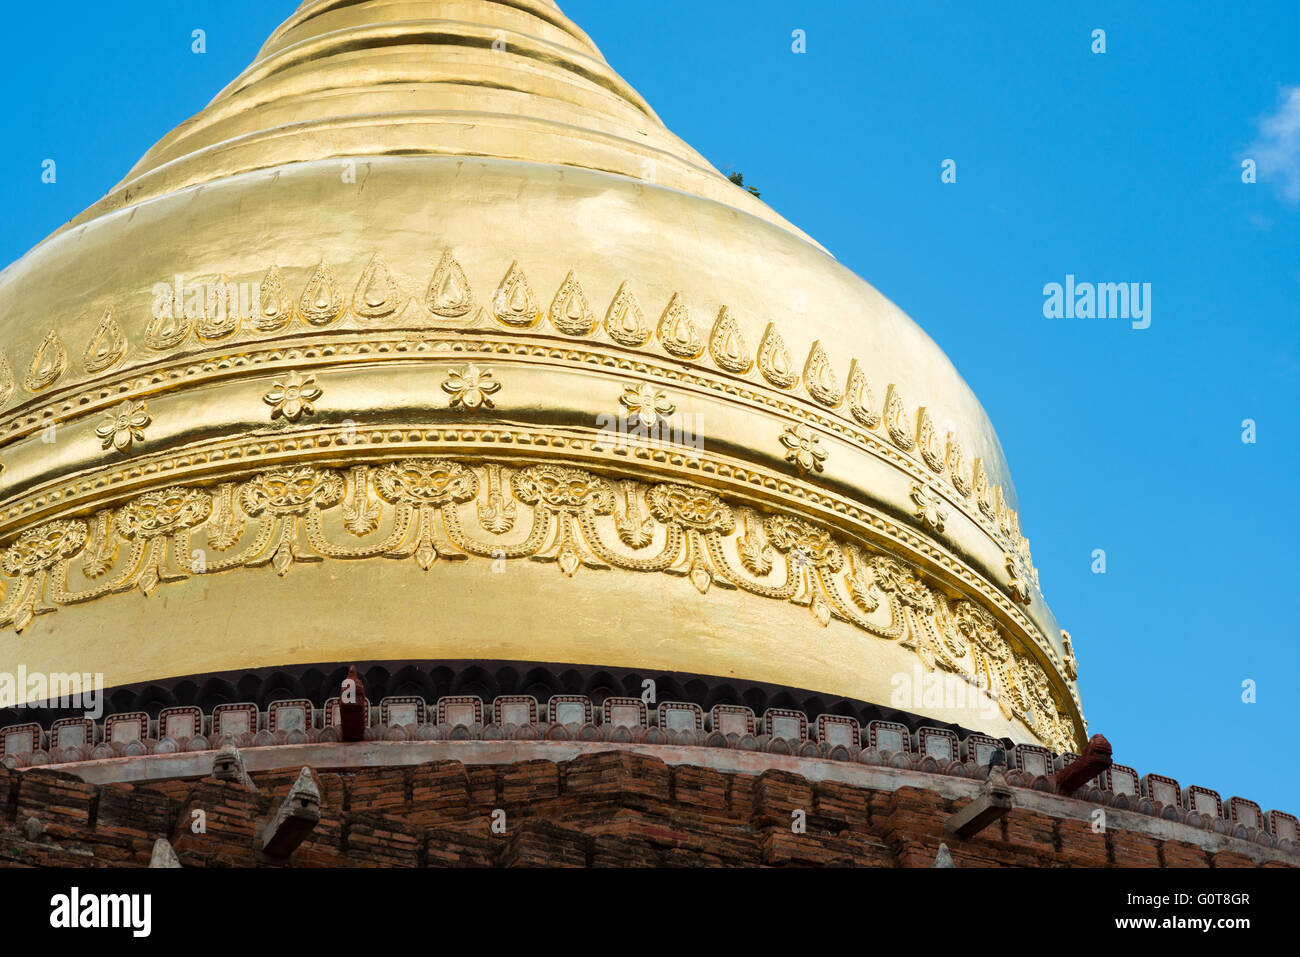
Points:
(124, 426)
(471, 388)
(293, 397)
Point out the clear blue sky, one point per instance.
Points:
(1116, 167)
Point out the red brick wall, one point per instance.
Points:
(606, 809)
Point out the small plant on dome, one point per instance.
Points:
(739, 180)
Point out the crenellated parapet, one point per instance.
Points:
(179, 743)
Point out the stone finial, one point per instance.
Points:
(943, 858)
(293, 820)
(228, 765)
(163, 854)
(352, 707)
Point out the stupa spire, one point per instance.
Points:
(504, 79)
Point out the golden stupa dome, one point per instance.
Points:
(427, 341)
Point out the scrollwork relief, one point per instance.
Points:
(433, 509)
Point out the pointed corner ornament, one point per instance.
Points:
(894, 420)
(929, 507)
(274, 304)
(927, 441)
(107, 345)
(569, 310)
(980, 480)
(677, 334)
(860, 398)
(774, 360)
(1000, 511)
(819, 378)
(124, 426)
(1013, 525)
(514, 303)
(218, 316)
(164, 855)
(292, 820)
(625, 322)
(322, 300)
(756, 554)
(6, 377)
(361, 513)
(1071, 662)
(449, 295)
(727, 345)
(499, 514)
(293, 397)
(804, 448)
(378, 294)
(956, 460)
(993, 803)
(49, 363)
(169, 326)
(471, 388)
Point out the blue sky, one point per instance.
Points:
(1122, 166)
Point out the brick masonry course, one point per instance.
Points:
(603, 809)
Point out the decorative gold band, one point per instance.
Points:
(429, 510)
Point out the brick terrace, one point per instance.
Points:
(603, 809)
